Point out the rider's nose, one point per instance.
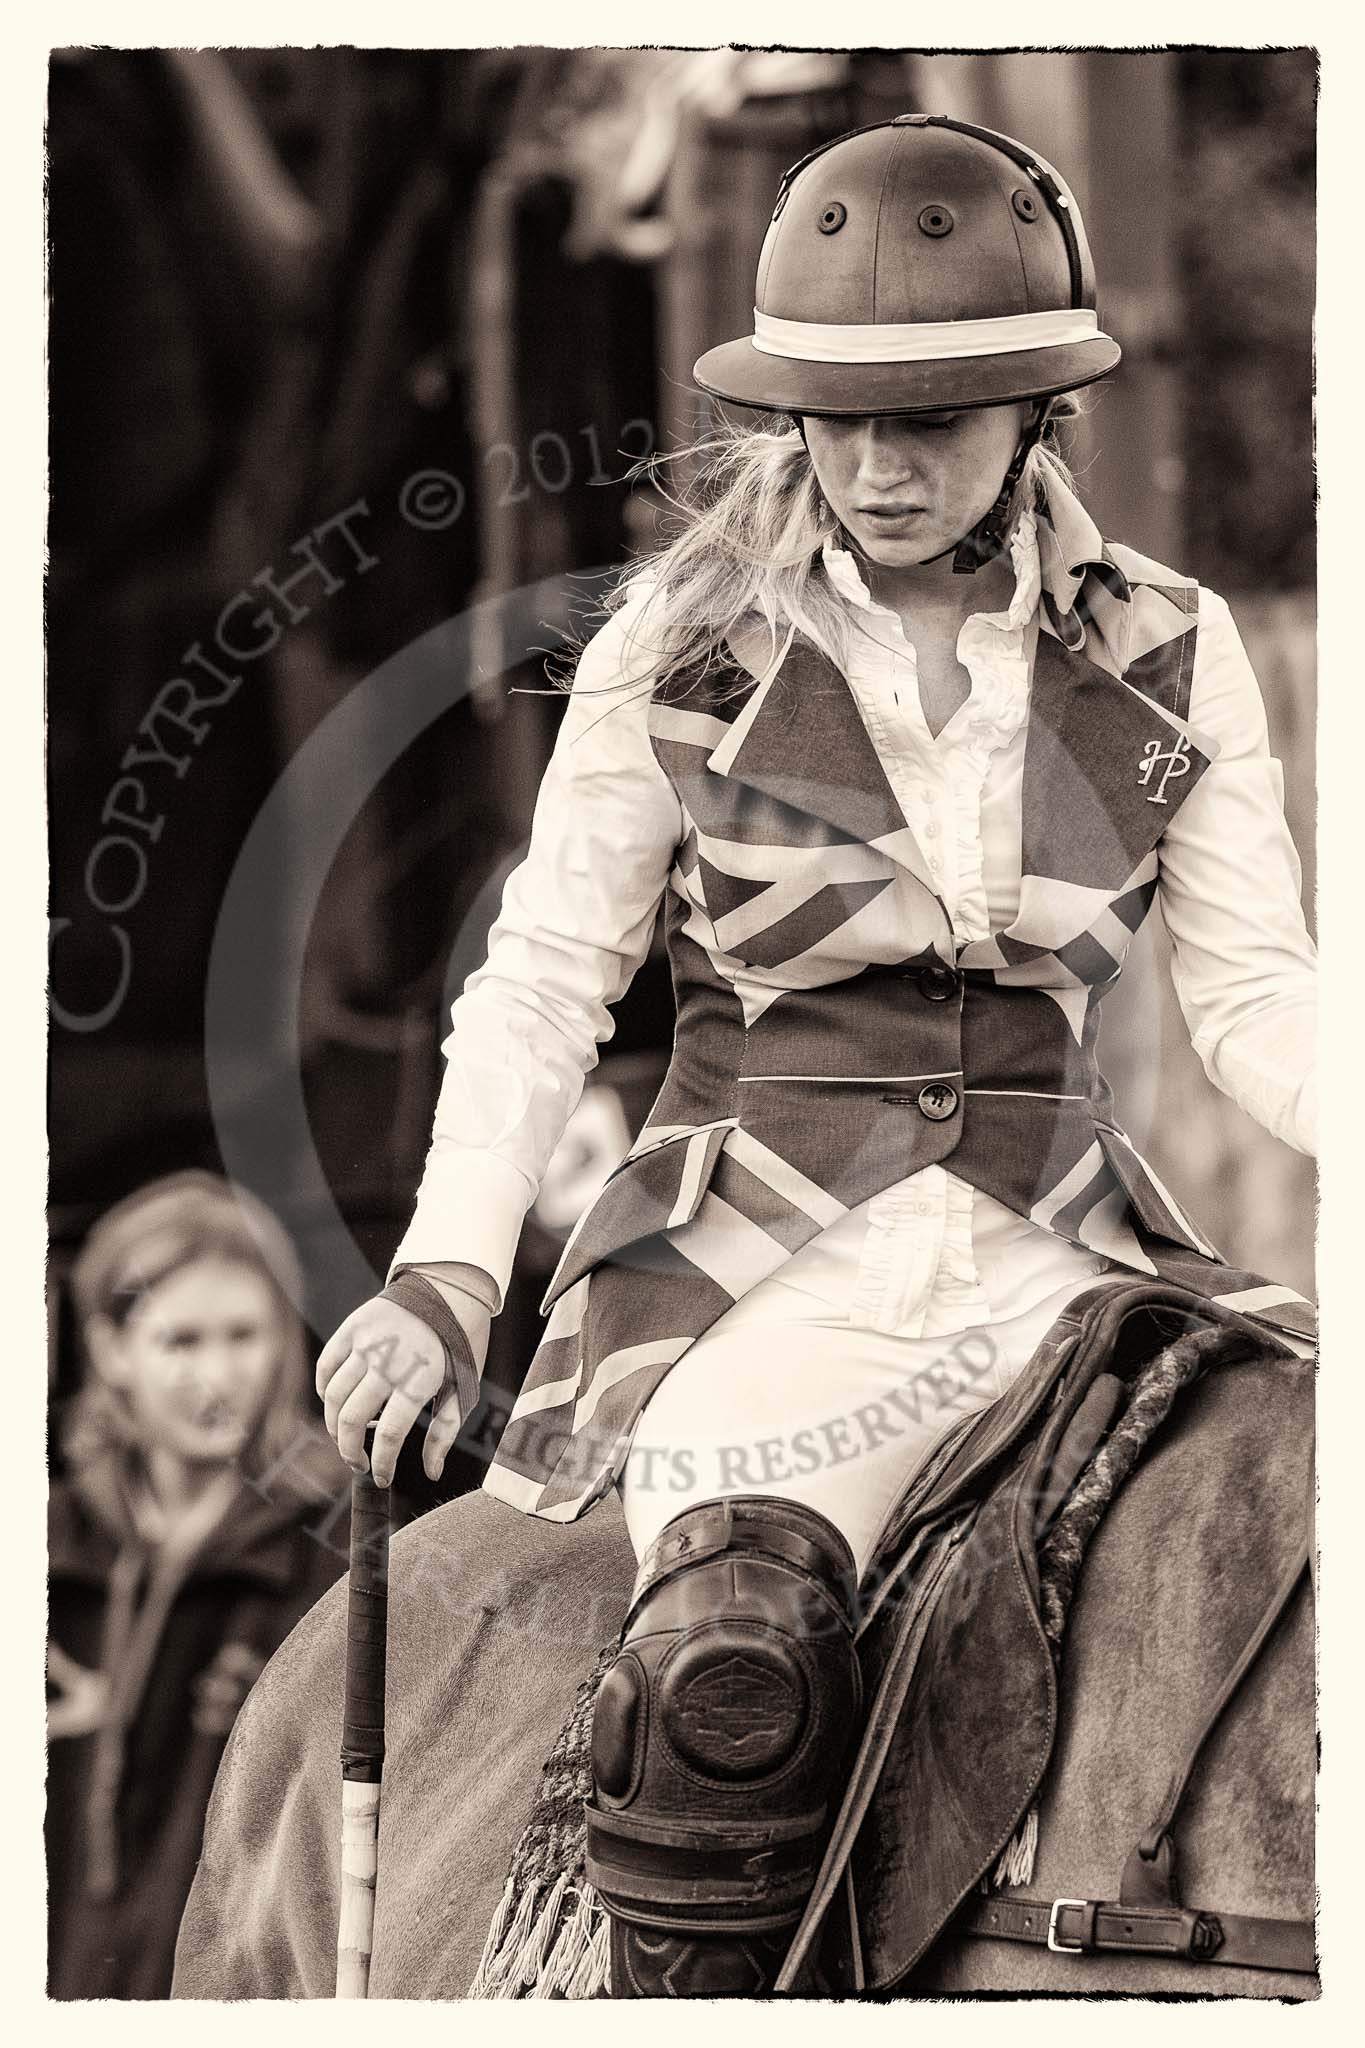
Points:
(886, 454)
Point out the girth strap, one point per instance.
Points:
(1089, 1927)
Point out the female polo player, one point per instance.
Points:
(906, 751)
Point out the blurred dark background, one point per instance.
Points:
(285, 281)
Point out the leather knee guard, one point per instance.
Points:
(719, 1738)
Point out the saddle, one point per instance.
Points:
(956, 1644)
(961, 1680)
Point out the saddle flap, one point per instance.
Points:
(974, 1718)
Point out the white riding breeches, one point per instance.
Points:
(787, 1395)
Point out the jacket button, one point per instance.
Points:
(938, 983)
(938, 1100)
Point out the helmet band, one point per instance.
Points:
(922, 341)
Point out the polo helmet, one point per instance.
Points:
(915, 265)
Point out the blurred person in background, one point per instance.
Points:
(910, 752)
(193, 1527)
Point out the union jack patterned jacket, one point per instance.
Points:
(818, 1061)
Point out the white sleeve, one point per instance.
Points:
(1244, 966)
(576, 921)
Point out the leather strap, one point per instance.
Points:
(421, 1299)
(714, 1527)
(1255, 1643)
(711, 1879)
(1091, 1927)
(1058, 204)
(867, 1768)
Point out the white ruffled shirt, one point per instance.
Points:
(931, 1255)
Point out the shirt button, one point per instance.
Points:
(938, 1101)
(931, 830)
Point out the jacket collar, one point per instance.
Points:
(841, 567)
(1084, 594)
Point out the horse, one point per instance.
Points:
(497, 1618)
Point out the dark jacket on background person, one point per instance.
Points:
(152, 1651)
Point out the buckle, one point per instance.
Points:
(1063, 1948)
(1206, 1936)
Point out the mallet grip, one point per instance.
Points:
(362, 1734)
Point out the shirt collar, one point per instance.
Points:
(1071, 539)
(847, 578)
(1068, 542)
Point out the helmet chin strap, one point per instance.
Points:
(986, 539)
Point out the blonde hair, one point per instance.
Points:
(751, 522)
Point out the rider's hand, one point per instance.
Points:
(384, 1362)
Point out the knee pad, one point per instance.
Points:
(721, 1732)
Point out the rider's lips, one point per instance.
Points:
(892, 518)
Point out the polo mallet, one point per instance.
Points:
(362, 1736)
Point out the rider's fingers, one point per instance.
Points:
(359, 1409)
(334, 1352)
(340, 1387)
(441, 1434)
(400, 1412)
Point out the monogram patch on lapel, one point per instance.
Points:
(1095, 796)
(1171, 760)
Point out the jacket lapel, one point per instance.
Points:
(1106, 763)
(800, 739)
(1105, 769)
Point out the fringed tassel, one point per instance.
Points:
(540, 1946)
(479, 1987)
(500, 1967)
(571, 1949)
(592, 1977)
(536, 1952)
(1016, 1863)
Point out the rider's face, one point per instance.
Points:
(908, 487)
